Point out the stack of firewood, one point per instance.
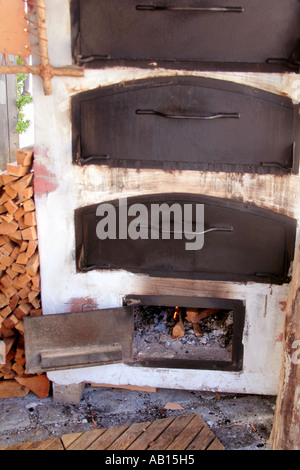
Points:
(19, 276)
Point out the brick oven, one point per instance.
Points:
(151, 124)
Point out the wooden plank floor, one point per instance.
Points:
(181, 433)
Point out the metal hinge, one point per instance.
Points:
(130, 302)
(81, 263)
(80, 59)
(272, 277)
(291, 64)
(89, 158)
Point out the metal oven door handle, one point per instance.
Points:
(208, 117)
(212, 229)
(200, 9)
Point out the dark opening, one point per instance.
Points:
(206, 334)
(157, 333)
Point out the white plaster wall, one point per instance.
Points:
(79, 186)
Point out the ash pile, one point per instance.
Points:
(182, 333)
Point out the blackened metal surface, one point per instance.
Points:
(238, 308)
(211, 34)
(81, 355)
(78, 339)
(186, 123)
(252, 244)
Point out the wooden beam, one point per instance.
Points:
(285, 433)
(36, 70)
(43, 45)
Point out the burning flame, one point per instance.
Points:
(176, 314)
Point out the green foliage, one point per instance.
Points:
(22, 100)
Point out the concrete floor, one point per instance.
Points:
(241, 422)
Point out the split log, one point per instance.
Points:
(11, 207)
(33, 265)
(3, 301)
(40, 384)
(29, 233)
(10, 322)
(22, 311)
(17, 170)
(6, 280)
(2, 353)
(13, 302)
(192, 315)
(7, 228)
(7, 178)
(32, 246)
(8, 342)
(6, 311)
(29, 217)
(24, 156)
(21, 184)
(22, 258)
(207, 313)
(178, 329)
(195, 315)
(197, 330)
(18, 214)
(28, 205)
(12, 389)
(27, 193)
